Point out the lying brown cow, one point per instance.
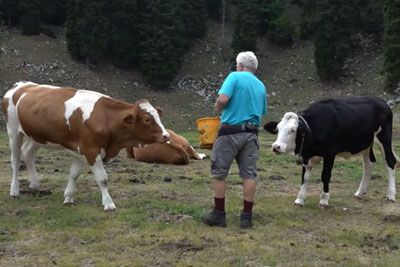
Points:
(170, 153)
(93, 126)
(161, 153)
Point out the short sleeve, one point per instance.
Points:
(228, 86)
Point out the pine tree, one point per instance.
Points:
(332, 38)
(30, 16)
(371, 18)
(282, 30)
(309, 16)
(162, 44)
(9, 12)
(53, 11)
(245, 26)
(87, 29)
(214, 8)
(392, 45)
(194, 18)
(124, 32)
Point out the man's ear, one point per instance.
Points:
(159, 111)
(129, 119)
(271, 127)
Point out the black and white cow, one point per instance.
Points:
(339, 126)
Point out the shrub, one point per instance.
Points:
(282, 30)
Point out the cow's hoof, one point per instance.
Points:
(299, 203)
(110, 207)
(14, 195)
(390, 199)
(323, 205)
(69, 202)
(356, 196)
(34, 186)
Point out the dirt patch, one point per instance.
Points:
(167, 217)
(181, 246)
(276, 177)
(392, 219)
(37, 193)
(373, 244)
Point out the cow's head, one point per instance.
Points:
(286, 130)
(144, 123)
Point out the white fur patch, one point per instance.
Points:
(16, 87)
(83, 100)
(147, 107)
(50, 86)
(202, 155)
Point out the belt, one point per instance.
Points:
(242, 126)
(227, 129)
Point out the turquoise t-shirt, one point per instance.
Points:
(247, 99)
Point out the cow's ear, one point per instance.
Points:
(271, 127)
(129, 119)
(159, 111)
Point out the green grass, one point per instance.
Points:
(158, 223)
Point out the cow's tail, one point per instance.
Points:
(4, 106)
(397, 160)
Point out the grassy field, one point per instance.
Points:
(158, 223)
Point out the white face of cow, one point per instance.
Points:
(147, 107)
(287, 130)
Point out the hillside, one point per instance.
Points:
(289, 74)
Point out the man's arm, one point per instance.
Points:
(221, 102)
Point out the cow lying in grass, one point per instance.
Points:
(161, 153)
(90, 125)
(339, 126)
(176, 151)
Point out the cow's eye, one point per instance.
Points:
(147, 120)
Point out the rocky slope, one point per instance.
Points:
(288, 72)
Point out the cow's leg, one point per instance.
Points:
(29, 149)
(385, 143)
(305, 177)
(102, 180)
(74, 172)
(15, 139)
(326, 178)
(367, 173)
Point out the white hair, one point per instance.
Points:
(247, 59)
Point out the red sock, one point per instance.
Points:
(247, 206)
(219, 204)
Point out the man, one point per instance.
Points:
(241, 102)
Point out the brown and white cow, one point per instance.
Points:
(92, 126)
(174, 139)
(161, 153)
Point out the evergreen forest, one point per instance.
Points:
(153, 35)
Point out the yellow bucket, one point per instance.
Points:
(208, 130)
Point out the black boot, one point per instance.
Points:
(215, 218)
(246, 220)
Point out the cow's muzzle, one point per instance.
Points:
(277, 149)
(165, 137)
